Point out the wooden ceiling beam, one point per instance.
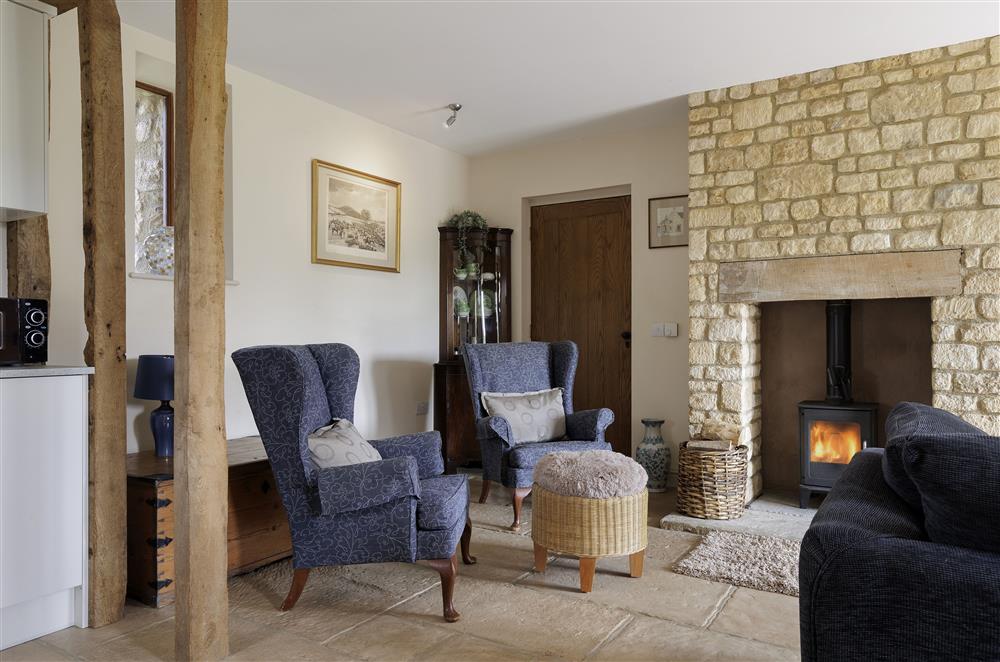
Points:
(63, 6)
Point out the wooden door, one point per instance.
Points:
(581, 290)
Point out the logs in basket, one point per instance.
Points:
(712, 484)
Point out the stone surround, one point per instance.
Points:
(895, 154)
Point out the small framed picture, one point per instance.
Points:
(355, 218)
(668, 221)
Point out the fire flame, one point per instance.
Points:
(835, 443)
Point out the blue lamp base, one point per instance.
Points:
(161, 420)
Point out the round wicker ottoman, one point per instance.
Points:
(589, 504)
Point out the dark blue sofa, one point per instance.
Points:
(902, 561)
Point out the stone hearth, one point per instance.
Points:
(870, 158)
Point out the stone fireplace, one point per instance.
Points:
(868, 181)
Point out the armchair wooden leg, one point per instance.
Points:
(635, 563)
(448, 569)
(467, 558)
(588, 565)
(519, 494)
(484, 494)
(541, 558)
(298, 583)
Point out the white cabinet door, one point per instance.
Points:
(43, 486)
(23, 109)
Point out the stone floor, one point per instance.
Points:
(391, 612)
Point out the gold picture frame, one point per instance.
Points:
(357, 230)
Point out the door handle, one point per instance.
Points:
(627, 337)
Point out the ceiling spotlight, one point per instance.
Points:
(454, 108)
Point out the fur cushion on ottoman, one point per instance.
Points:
(590, 474)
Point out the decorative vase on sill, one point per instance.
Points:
(653, 455)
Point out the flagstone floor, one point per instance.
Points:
(390, 612)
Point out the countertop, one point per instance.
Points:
(40, 370)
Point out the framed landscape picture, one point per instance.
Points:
(668, 221)
(355, 218)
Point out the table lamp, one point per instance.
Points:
(154, 380)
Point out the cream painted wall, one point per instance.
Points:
(649, 163)
(390, 319)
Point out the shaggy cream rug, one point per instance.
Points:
(766, 564)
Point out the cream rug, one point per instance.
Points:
(766, 564)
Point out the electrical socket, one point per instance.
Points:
(422, 408)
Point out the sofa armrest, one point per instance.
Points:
(589, 425)
(871, 586)
(495, 427)
(424, 447)
(885, 598)
(365, 485)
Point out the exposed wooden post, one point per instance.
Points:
(103, 142)
(200, 465)
(29, 269)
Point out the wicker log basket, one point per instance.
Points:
(712, 484)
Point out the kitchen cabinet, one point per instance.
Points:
(24, 111)
(43, 501)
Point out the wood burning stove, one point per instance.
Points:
(832, 430)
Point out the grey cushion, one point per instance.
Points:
(949, 471)
(340, 444)
(531, 416)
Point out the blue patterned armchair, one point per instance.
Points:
(518, 368)
(401, 508)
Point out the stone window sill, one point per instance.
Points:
(141, 276)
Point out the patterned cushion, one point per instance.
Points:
(954, 469)
(532, 416)
(340, 444)
(443, 500)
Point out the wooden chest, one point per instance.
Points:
(258, 528)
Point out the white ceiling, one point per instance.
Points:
(529, 70)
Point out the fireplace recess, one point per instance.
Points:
(832, 430)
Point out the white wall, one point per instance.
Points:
(651, 162)
(390, 319)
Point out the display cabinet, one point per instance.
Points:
(475, 307)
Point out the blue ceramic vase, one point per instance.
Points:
(654, 455)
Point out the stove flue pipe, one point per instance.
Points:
(838, 352)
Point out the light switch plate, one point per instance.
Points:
(422, 408)
(670, 329)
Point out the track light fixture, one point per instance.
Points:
(454, 108)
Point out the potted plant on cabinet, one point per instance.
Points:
(463, 222)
